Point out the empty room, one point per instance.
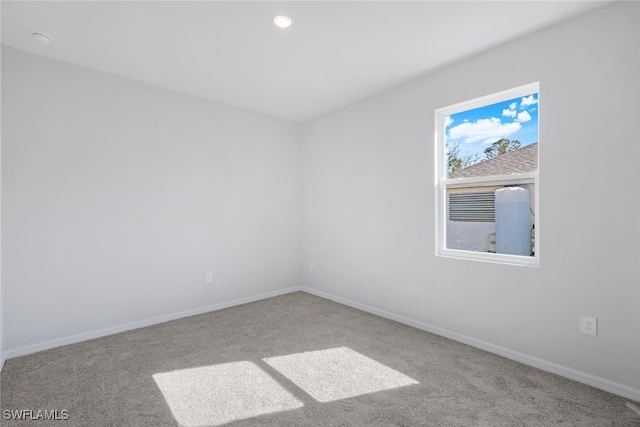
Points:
(342, 213)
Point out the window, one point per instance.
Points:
(487, 178)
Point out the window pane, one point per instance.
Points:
(496, 219)
(496, 139)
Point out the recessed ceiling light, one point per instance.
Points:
(282, 21)
(41, 38)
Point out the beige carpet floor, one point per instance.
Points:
(293, 360)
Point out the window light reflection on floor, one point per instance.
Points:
(219, 394)
(337, 373)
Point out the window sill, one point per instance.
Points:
(525, 261)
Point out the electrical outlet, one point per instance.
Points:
(208, 278)
(589, 325)
(312, 266)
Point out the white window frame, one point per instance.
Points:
(442, 182)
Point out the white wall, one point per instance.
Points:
(120, 196)
(368, 197)
(1, 291)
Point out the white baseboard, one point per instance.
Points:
(583, 377)
(33, 348)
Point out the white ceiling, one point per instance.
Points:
(333, 54)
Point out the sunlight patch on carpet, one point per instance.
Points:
(219, 394)
(337, 373)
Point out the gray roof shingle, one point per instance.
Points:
(522, 160)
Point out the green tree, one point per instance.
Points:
(456, 161)
(499, 147)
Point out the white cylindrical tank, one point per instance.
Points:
(513, 221)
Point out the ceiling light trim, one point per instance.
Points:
(282, 21)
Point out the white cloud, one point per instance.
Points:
(485, 130)
(509, 113)
(528, 101)
(523, 117)
(513, 105)
(447, 121)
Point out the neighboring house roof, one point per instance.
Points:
(522, 160)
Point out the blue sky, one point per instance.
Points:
(475, 130)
